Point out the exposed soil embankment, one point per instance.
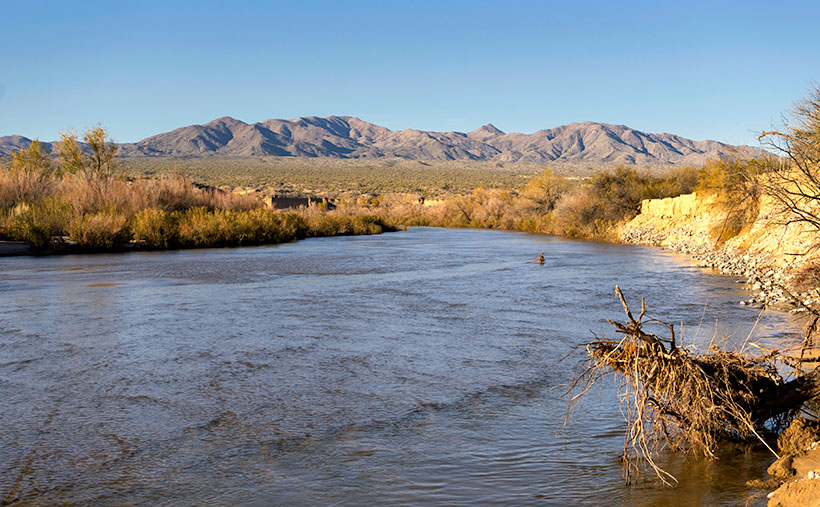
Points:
(802, 486)
(768, 253)
(773, 257)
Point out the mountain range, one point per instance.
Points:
(350, 137)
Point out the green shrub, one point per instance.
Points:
(37, 223)
(199, 227)
(261, 226)
(102, 229)
(291, 226)
(336, 225)
(155, 228)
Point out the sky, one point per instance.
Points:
(702, 70)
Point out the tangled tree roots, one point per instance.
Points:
(675, 397)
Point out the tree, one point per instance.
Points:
(30, 173)
(736, 188)
(794, 180)
(542, 192)
(98, 163)
(70, 154)
(618, 193)
(33, 161)
(101, 162)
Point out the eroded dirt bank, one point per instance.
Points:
(771, 255)
(779, 264)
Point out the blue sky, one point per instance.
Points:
(703, 70)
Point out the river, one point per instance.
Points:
(422, 366)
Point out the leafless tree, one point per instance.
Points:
(793, 180)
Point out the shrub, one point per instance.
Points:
(200, 227)
(103, 229)
(21, 187)
(154, 228)
(543, 224)
(37, 223)
(335, 225)
(367, 224)
(291, 226)
(541, 193)
(737, 191)
(260, 226)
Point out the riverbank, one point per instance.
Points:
(780, 267)
(802, 481)
(776, 259)
(202, 228)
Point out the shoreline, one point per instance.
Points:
(63, 245)
(15, 248)
(770, 272)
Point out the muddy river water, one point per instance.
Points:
(414, 367)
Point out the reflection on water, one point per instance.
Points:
(419, 366)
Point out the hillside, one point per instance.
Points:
(349, 137)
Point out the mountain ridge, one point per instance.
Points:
(351, 137)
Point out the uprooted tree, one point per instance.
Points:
(691, 402)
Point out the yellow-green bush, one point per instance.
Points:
(291, 226)
(37, 223)
(199, 227)
(336, 225)
(543, 224)
(99, 230)
(154, 228)
(265, 226)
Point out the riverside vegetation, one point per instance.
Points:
(79, 201)
(91, 201)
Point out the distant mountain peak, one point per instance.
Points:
(488, 129)
(225, 120)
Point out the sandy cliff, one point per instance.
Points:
(694, 221)
(769, 253)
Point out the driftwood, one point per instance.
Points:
(675, 397)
